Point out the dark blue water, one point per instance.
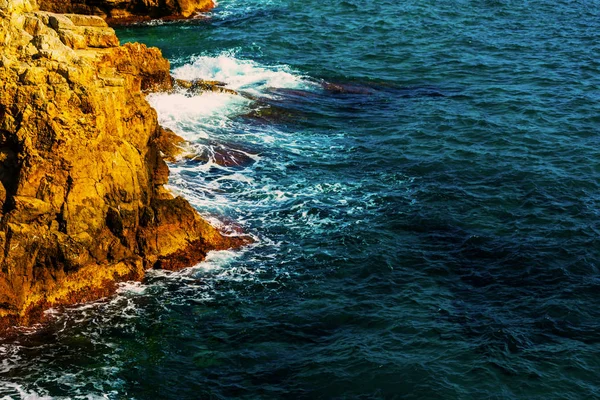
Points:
(422, 179)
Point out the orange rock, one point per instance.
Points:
(82, 202)
(129, 11)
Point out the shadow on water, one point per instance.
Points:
(392, 89)
(506, 288)
(333, 99)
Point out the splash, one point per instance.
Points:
(195, 116)
(242, 75)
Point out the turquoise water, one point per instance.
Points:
(422, 180)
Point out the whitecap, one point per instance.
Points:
(193, 116)
(241, 75)
(23, 393)
(131, 288)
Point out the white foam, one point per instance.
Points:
(132, 287)
(197, 116)
(215, 260)
(192, 116)
(241, 75)
(237, 177)
(51, 312)
(22, 392)
(9, 357)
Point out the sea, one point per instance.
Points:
(422, 182)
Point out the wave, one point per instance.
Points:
(220, 178)
(241, 75)
(194, 116)
(19, 390)
(225, 149)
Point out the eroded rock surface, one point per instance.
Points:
(82, 202)
(127, 11)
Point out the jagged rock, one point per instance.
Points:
(86, 20)
(199, 85)
(81, 165)
(169, 143)
(128, 11)
(150, 74)
(17, 6)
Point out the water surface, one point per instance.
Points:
(422, 180)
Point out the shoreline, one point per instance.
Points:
(71, 230)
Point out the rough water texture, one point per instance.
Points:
(81, 171)
(422, 180)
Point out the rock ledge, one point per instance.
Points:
(127, 11)
(82, 202)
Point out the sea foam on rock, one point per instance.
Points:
(82, 202)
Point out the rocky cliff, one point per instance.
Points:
(126, 11)
(82, 203)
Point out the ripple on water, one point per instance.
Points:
(421, 180)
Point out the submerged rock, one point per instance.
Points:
(222, 155)
(199, 85)
(270, 113)
(81, 165)
(340, 88)
(129, 11)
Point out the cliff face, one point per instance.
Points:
(82, 203)
(125, 11)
